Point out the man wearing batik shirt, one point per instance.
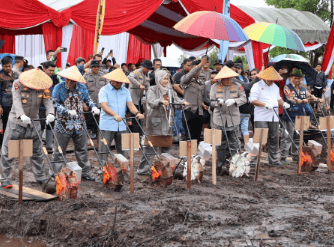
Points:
(68, 98)
(298, 98)
(7, 77)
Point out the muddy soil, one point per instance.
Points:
(281, 209)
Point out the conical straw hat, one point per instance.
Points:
(117, 75)
(35, 79)
(226, 72)
(73, 74)
(270, 74)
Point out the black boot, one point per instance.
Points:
(221, 159)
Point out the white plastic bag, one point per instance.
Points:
(240, 165)
(204, 150)
(197, 165)
(252, 148)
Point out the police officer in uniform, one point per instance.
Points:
(95, 81)
(140, 82)
(229, 94)
(298, 97)
(194, 93)
(28, 93)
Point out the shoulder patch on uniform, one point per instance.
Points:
(16, 86)
(241, 88)
(288, 92)
(46, 94)
(136, 72)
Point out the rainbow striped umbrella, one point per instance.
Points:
(211, 25)
(274, 34)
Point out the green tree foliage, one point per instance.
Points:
(318, 7)
(213, 55)
(281, 50)
(244, 61)
(182, 57)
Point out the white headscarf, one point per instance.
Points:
(159, 76)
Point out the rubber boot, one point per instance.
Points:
(49, 139)
(144, 168)
(221, 159)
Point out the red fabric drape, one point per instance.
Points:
(257, 53)
(328, 51)
(82, 43)
(240, 17)
(9, 46)
(137, 50)
(126, 16)
(331, 73)
(265, 59)
(53, 36)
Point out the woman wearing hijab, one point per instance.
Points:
(160, 118)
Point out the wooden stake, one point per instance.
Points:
(214, 161)
(189, 164)
(301, 140)
(21, 172)
(329, 145)
(259, 157)
(131, 145)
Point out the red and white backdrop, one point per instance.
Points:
(79, 43)
(152, 26)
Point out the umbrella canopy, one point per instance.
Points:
(211, 25)
(274, 34)
(310, 73)
(289, 57)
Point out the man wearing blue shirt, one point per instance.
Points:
(69, 98)
(114, 100)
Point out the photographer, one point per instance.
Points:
(107, 62)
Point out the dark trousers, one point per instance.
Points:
(91, 124)
(42, 115)
(318, 92)
(5, 115)
(195, 124)
(134, 126)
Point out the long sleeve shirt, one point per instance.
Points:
(64, 100)
(292, 95)
(265, 94)
(6, 83)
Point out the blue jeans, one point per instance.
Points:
(244, 120)
(178, 123)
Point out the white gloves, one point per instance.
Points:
(221, 101)
(286, 105)
(269, 106)
(50, 118)
(230, 102)
(25, 119)
(73, 113)
(95, 110)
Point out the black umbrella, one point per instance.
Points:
(310, 73)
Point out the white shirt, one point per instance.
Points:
(265, 94)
